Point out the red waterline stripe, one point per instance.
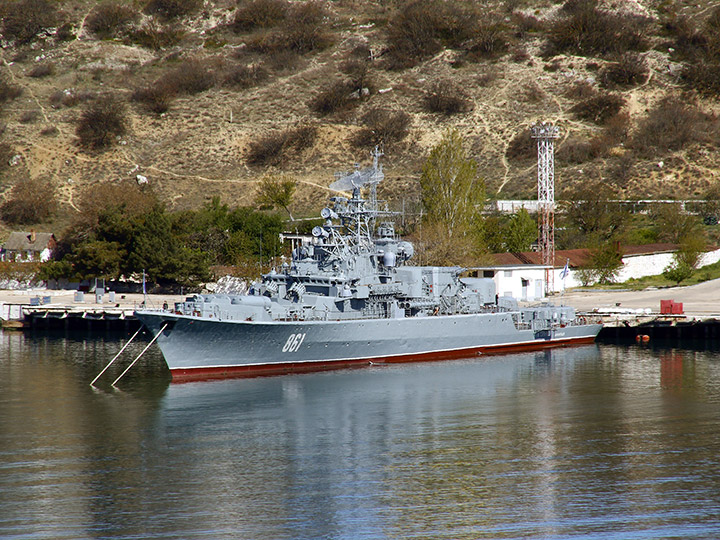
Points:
(181, 375)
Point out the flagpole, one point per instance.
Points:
(563, 275)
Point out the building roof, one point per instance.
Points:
(577, 257)
(29, 241)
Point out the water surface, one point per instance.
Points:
(588, 442)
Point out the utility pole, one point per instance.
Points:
(545, 133)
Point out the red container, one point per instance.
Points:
(666, 307)
(677, 308)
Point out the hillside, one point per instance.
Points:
(633, 86)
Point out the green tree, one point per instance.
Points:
(591, 216)
(276, 192)
(98, 259)
(604, 263)
(521, 232)
(685, 259)
(452, 192)
(673, 223)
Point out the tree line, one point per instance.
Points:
(124, 231)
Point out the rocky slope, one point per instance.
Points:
(505, 81)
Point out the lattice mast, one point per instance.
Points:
(546, 133)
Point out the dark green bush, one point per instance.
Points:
(111, 19)
(171, 9)
(382, 127)
(8, 91)
(254, 14)
(703, 77)
(334, 98)
(156, 98)
(445, 97)
(599, 108)
(303, 30)
(522, 147)
(191, 77)
(421, 28)
(584, 29)
(272, 149)
(672, 124)
(156, 36)
(630, 70)
(489, 41)
(25, 19)
(102, 121)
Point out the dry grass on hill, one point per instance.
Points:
(216, 93)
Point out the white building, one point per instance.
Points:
(523, 276)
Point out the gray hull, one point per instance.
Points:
(197, 348)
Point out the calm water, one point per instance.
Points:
(591, 442)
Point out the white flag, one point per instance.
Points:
(566, 270)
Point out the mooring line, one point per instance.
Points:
(115, 358)
(139, 355)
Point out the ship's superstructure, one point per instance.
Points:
(350, 297)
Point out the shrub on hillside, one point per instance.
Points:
(245, 76)
(490, 40)
(41, 70)
(273, 148)
(334, 98)
(630, 70)
(171, 9)
(301, 31)
(445, 97)
(599, 108)
(31, 201)
(521, 147)
(6, 154)
(156, 36)
(578, 150)
(672, 124)
(8, 91)
(703, 77)
(191, 77)
(584, 29)
(102, 121)
(24, 19)
(421, 28)
(254, 14)
(382, 127)
(110, 19)
(156, 98)
(360, 79)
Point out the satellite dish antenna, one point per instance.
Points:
(371, 176)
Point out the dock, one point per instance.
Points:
(70, 311)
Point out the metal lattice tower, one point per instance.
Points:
(546, 133)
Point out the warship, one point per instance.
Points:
(351, 297)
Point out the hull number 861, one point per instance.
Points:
(293, 342)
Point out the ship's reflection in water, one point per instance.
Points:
(592, 442)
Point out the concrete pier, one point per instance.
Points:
(66, 310)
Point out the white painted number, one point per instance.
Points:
(293, 343)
